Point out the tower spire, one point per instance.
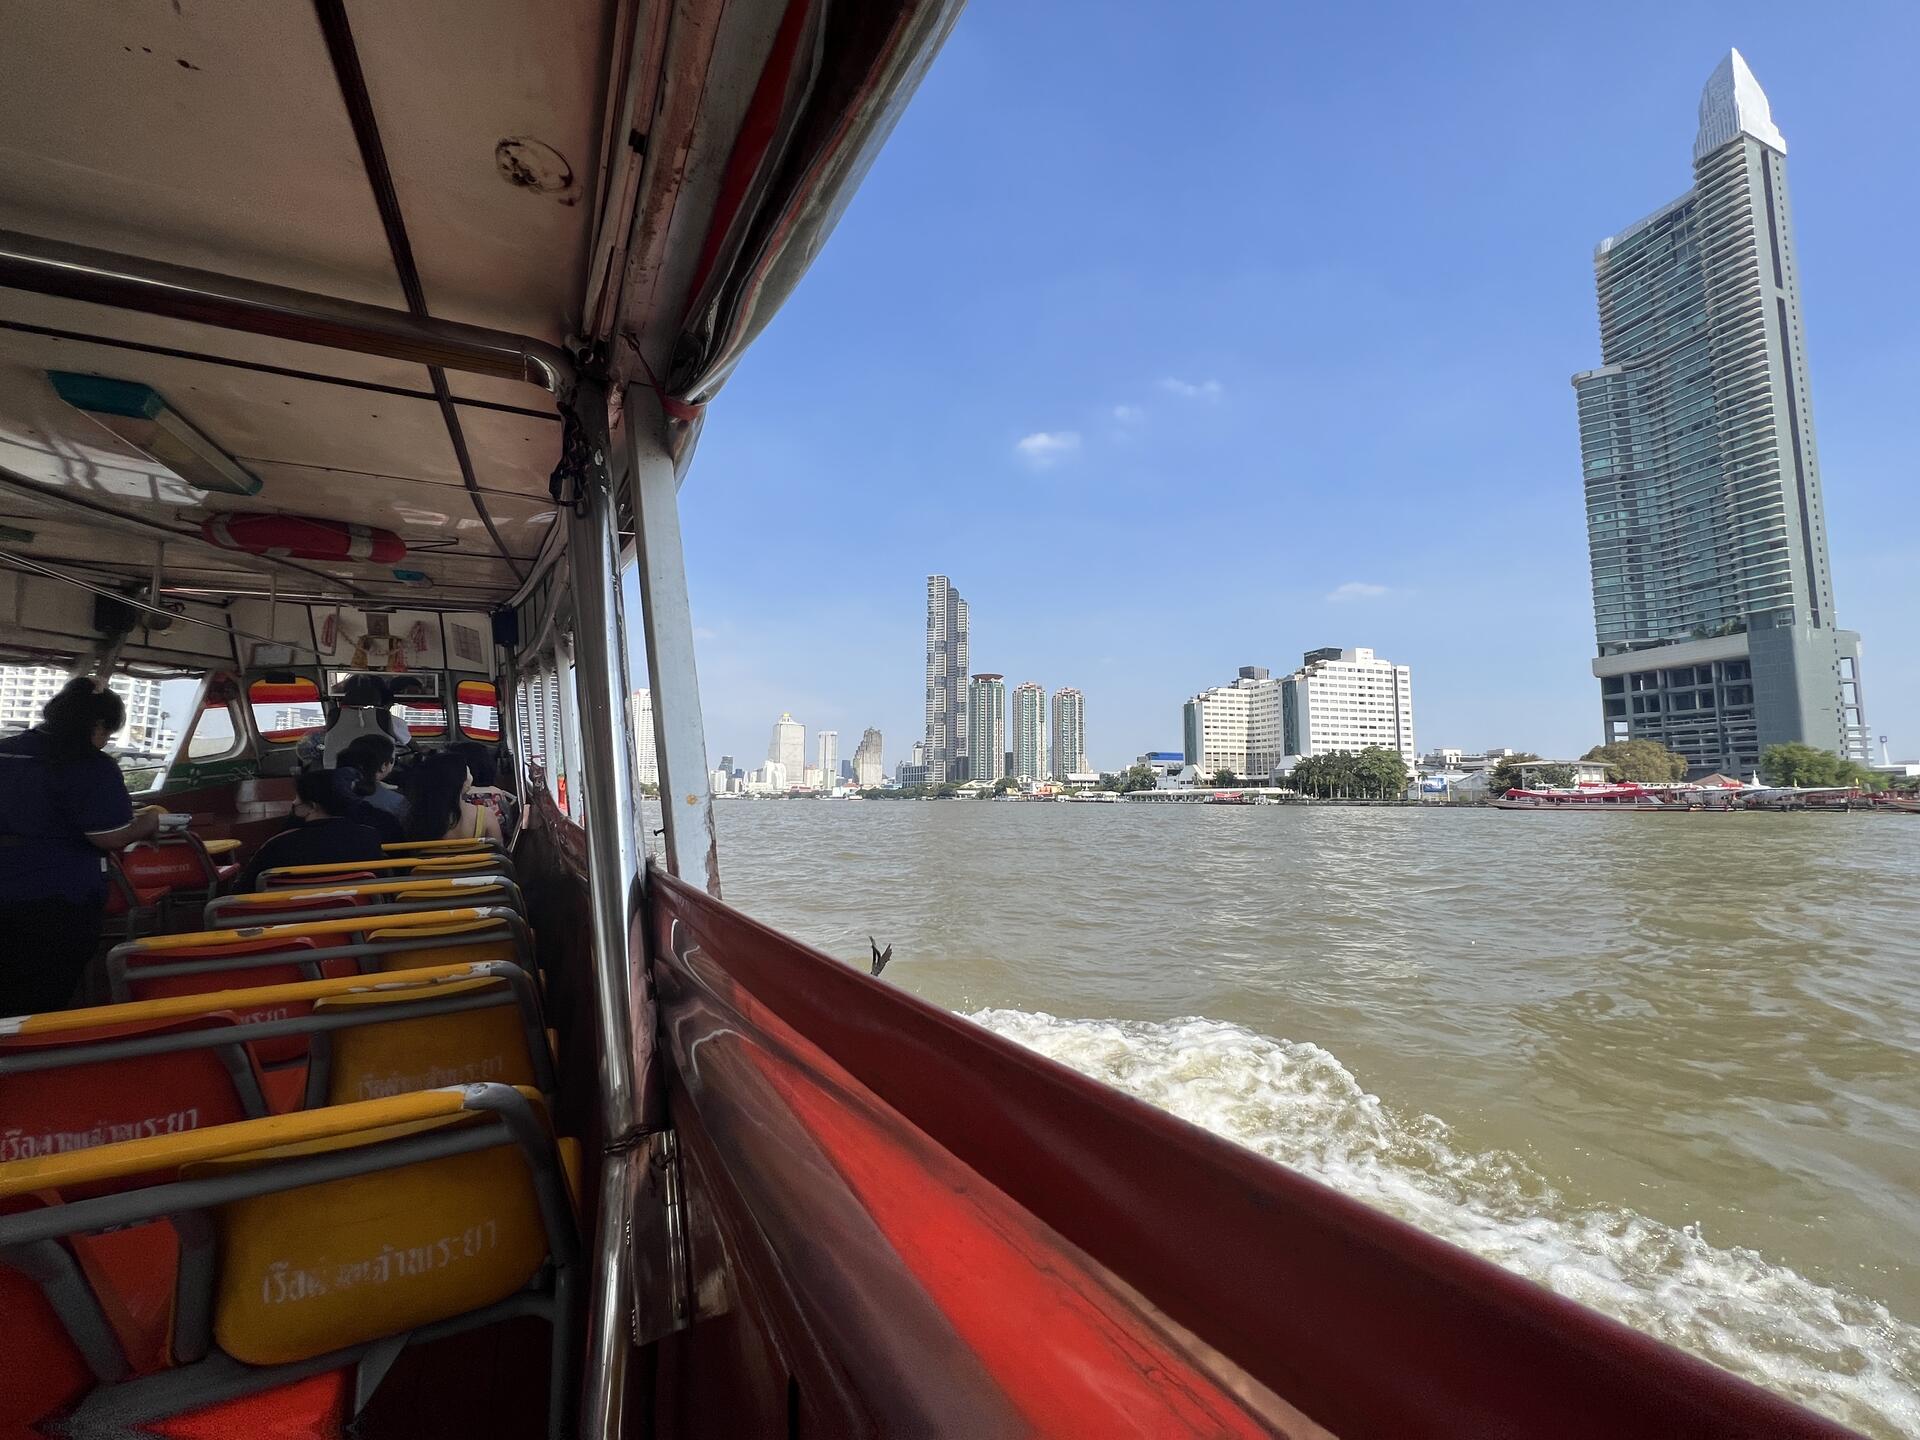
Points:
(1732, 105)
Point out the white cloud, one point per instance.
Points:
(1046, 448)
(1357, 590)
(1190, 390)
(1129, 414)
(701, 632)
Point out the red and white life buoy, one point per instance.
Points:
(303, 537)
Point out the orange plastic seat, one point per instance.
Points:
(281, 1050)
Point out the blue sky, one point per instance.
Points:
(1186, 337)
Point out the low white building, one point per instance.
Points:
(1234, 727)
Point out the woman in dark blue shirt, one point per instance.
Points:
(63, 805)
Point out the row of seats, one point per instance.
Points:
(154, 880)
(281, 1154)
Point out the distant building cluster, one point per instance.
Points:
(1258, 726)
(972, 743)
(25, 690)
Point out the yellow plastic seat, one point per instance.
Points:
(456, 862)
(334, 1235)
(391, 1057)
(337, 943)
(366, 897)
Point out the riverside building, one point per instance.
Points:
(1235, 727)
(646, 756)
(788, 748)
(829, 759)
(1713, 600)
(986, 728)
(1069, 733)
(1029, 761)
(947, 750)
(867, 769)
(1346, 700)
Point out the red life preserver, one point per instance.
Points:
(303, 537)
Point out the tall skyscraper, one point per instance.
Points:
(986, 726)
(1029, 732)
(829, 759)
(646, 759)
(867, 769)
(788, 747)
(1069, 732)
(1347, 700)
(1712, 596)
(947, 749)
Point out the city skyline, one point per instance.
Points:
(1414, 418)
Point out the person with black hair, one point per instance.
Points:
(484, 772)
(361, 778)
(318, 832)
(63, 806)
(437, 803)
(365, 708)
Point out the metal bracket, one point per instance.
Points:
(679, 1269)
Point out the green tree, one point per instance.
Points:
(1137, 777)
(1808, 765)
(1506, 774)
(1647, 762)
(1224, 779)
(1375, 773)
(1004, 784)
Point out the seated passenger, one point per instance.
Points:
(361, 781)
(485, 789)
(437, 804)
(366, 708)
(62, 805)
(318, 832)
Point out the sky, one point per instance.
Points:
(1188, 337)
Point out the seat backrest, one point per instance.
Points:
(391, 1057)
(177, 860)
(45, 1370)
(307, 1271)
(468, 942)
(54, 1111)
(268, 907)
(282, 879)
(276, 1050)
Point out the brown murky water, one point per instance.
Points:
(1668, 1065)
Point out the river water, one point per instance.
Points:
(1664, 1064)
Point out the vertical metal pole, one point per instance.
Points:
(680, 739)
(606, 793)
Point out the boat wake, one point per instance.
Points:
(1836, 1351)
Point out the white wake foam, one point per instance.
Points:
(1839, 1352)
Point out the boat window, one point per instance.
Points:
(286, 709)
(426, 718)
(218, 732)
(478, 709)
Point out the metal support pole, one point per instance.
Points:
(607, 795)
(680, 739)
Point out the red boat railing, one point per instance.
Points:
(930, 1229)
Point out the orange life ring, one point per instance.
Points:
(303, 537)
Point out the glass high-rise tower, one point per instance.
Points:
(1029, 731)
(986, 726)
(1712, 593)
(945, 755)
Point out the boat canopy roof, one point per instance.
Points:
(462, 206)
